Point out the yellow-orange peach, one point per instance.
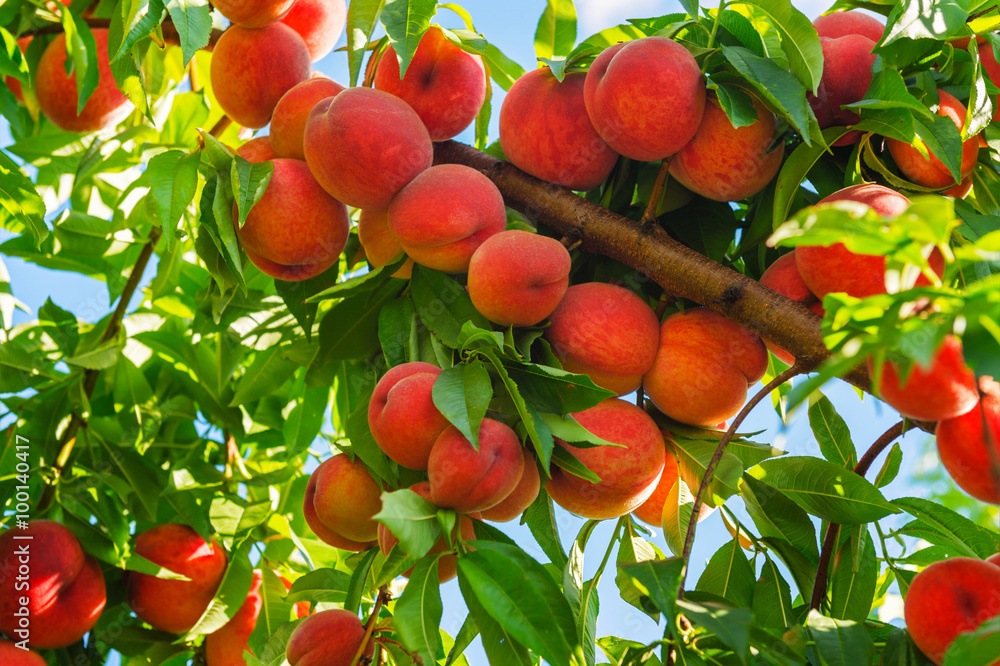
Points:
(319, 22)
(840, 24)
(651, 511)
(468, 479)
(628, 472)
(402, 416)
(380, 244)
(964, 445)
(517, 278)
(12, 655)
(288, 122)
(930, 171)
(783, 277)
(341, 498)
(520, 498)
(607, 332)
(256, 150)
(225, 645)
(253, 13)
(328, 638)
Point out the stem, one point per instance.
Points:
(717, 456)
(712, 35)
(383, 597)
(604, 563)
(833, 531)
(649, 215)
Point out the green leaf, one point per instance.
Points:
(193, 21)
(799, 40)
(412, 520)
(173, 180)
(362, 19)
(269, 370)
(794, 171)
(775, 515)
(554, 390)
(100, 358)
(81, 56)
(824, 489)
(350, 328)
(361, 284)
(229, 597)
(659, 581)
(731, 625)
(417, 613)
(275, 610)
(568, 429)
(676, 517)
(729, 575)
(395, 323)
(249, 182)
(838, 642)
(693, 457)
(556, 31)
(20, 201)
(854, 577)
(978, 648)
(498, 643)
(321, 585)
(541, 520)
(832, 433)
(62, 326)
(405, 21)
(953, 527)
(502, 69)
(633, 549)
(131, 388)
(443, 305)
(296, 294)
(772, 598)
(138, 19)
(914, 20)
(462, 394)
(141, 477)
(944, 140)
(890, 468)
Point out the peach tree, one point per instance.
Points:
(346, 350)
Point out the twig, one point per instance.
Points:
(382, 598)
(660, 184)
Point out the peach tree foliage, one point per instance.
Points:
(202, 404)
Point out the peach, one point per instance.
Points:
(783, 277)
(703, 368)
(944, 390)
(175, 605)
(988, 61)
(253, 13)
(447, 565)
(961, 190)
(628, 472)
(253, 67)
(380, 244)
(651, 511)
(645, 97)
(545, 131)
(12, 655)
(607, 332)
(445, 85)
(994, 559)
(343, 497)
(964, 447)
(519, 499)
(45, 573)
(225, 645)
(296, 230)
(949, 598)
(847, 73)
(288, 122)
(402, 416)
(364, 145)
(319, 22)
(445, 214)
(517, 278)
(328, 638)
(257, 150)
(467, 479)
(725, 163)
(841, 24)
(57, 92)
(930, 171)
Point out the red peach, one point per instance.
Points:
(12, 655)
(467, 479)
(225, 645)
(343, 497)
(253, 13)
(783, 277)
(847, 73)
(930, 171)
(380, 244)
(328, 638)
(964, 447)
(523, 495)
(994, 559)
(256, 150)
(402, 416)
(841, 24)
(651, 511)
(319, 22)
(288, 122)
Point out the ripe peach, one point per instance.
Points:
(607, 332)
(256, 150)
(942, 391)
(847, 73)
(629, 473)
(341, 498)
(11, 655)
(651, 511)
(466, 479)
(517, 278)
(65, 591)
(57, 92)
(320, 23)
(523, 495)
(447, 565)
(545, 131)
(288, 122)
(253, 67)
(645, 97)
(445, 85)
(175, 605)
(725, 163)
(930, 171)
(445, 214)
(703, 367)
(225, 645)
(964, 447)
(841, 24)
(380, 244)
(948, 598)
(783, 277)
(253, 13)
(296, 230)
(364, 145)
(328, 638)
(994, 559)
(402, 416)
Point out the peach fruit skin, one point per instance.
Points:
(253, 13)
(57, 92)
(66, 592)
(468, 480)
(651, 511)
(545, 131)
(345, 498)
(948, 598)
(11, 655)
(296, 230)
(932, 172)
(380, 244)
(328, 638)
(607, 332)
(645, 97)
(847, 73)
(365, 145)
(840, 24)
(319, 22)
(963, 446)
(519, 499)
(445, 85)
(629, 473)
(517, 278)
(175, 605)
(943, 391)
(319, 528)
(783, 277)
(444, 215)
(402, 416)
(288, 122)
(703, 368)
(257, 150)
(253, 67)
(225, 645)
(727, 163)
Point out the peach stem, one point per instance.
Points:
(383, 597)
